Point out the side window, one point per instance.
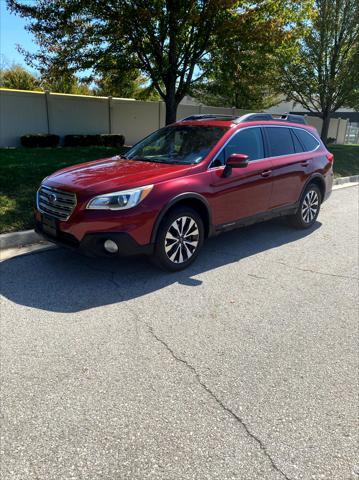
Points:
(219, 160)
(248, 141)
(309, 142)
(280, 141)
(297, 145)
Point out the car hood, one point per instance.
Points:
(113, 174)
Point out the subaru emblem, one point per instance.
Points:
(52, 198)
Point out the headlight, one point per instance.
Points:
(119, 200)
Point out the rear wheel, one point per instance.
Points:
(309, 208)
(179, 240)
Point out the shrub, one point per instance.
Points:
(40, 140)
(112, 140)
(82, 140)
(331, 140)
(106, 140)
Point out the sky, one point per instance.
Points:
(12, 32)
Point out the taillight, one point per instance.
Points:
(330, 157)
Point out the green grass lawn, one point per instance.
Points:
(346, 160)
(21, 171)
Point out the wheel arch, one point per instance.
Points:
(191, 199)
(316, 179)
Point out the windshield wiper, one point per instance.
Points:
(159, 160)
(142, 159)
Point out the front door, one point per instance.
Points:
(246, 191)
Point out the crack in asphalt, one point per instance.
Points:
(318, 273)
(219, 402)
(190, 367)
(256, 276)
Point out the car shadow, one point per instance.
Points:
(61, 280)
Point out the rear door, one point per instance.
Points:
(246, 191)
(289, 165)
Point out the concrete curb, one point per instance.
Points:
(342, 180)
(18, 239)
(29, 237)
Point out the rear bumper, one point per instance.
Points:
(92, 244)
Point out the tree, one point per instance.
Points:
(324, 75)
(168, 41)
(113, 82)
(246, 59)
(64, 82)
(18, 78)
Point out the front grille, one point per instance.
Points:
(56, 203)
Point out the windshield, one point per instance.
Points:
(184, 144)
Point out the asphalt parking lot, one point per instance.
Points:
(244, 366)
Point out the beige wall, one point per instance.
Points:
(337, 127)
(37, 112)
(134, 119)
(21, 113)
(77, 114)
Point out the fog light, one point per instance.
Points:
(110, 246)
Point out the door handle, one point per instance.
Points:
(266, 173)
(305, 163)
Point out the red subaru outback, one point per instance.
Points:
(203, 175)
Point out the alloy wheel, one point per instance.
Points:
(182, 239)
(310, 206)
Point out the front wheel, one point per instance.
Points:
(179, 239)
(309, 208)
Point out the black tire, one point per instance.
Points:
(309, 208)
(177, 246)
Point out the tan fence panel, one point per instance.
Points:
(333, 128)
(134, 119)
(75, 114)
(238, 112)
(21, 113)
(31, 112)
(315, 122)
(337, 129)
(342, 131)
(184, 111)
(217, 110)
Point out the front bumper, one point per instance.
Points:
(92, 244)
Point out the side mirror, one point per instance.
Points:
(236, 160)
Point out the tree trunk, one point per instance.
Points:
(325, 126)
(171, 107)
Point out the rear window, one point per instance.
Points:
(307, 140)
(297, 145)
(280, 141)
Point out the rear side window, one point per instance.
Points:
(280, 141)
(297, 145)
(308, 141)
(248, 141)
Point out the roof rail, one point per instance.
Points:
(257, 117)
(249, 117)
(205, 116)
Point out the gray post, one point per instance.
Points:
(47, 94)
(109, 115)
(338, 127)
